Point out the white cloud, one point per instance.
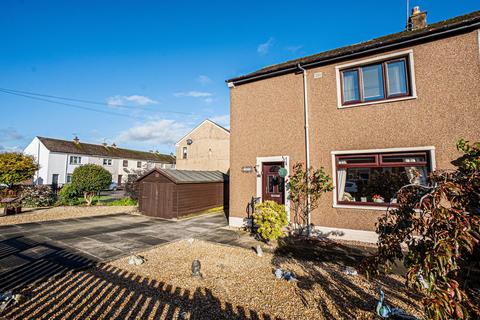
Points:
(294, 49)
(263, 48)
(203, 79)
(138, 100)
(208, 100)
(9, 134)
(193, 94)
(223, 120)
(158, 132)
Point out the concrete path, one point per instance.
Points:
(32, 251)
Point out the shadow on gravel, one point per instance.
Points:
(59, 284)
(323, 261)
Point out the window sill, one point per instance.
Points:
(376, 102)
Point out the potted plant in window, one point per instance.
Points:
(378, 198)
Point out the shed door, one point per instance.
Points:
(156, 199)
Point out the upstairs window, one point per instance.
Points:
(107, 162)
(377, 81)
(75, 160)
(374, 179)
(184, 153)
(125, 163)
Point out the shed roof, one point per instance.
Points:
(64, 146)
(466, 21)
(190, 176)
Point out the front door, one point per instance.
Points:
(119, 181)
(273, 186)
(55, 179)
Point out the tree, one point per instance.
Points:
(90, 179)
(16, 168)
(440, 225)
(306, 186)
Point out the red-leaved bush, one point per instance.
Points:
(435, 232)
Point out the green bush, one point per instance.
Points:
(90, 179)
(68, 196)
(16, 168)
(271, 218)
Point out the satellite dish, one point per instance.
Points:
(189, 141)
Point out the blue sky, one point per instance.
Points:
(165, 60)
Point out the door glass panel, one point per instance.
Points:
(271, 183)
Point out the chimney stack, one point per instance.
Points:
(417, 20)
(76, 140)
(114, 146)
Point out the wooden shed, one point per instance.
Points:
(170, 193)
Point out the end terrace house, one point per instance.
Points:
(58, 158)
(375, 109)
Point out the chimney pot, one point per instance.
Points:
(417, 20)
(76, 140)
(114, 145)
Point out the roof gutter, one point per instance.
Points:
(354, 54)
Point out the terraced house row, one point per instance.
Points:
(382, 109)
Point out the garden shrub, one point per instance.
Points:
(68, 195)
(306, 184)
(16, 168)
(440, 224)
(270, 218)
(34, 196)
(89, 179)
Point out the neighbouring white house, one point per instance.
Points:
(58, 158)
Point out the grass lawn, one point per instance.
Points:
(236, 284)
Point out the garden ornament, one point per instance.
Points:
(385, 311)
(196, 269)
(259, 250)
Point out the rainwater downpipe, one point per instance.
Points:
(307, 144)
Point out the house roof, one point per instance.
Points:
(201, 124)
(442, 28)
(190, 176)
(64, 146)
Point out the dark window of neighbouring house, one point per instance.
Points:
(374, 179)
(184, 153)
(379, 81)
(75, 160)
(107, 162)
(125, 163)
(69, 178)
(139, 164)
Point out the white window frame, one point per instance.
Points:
(430, 149)
(413, 88)
(108, 162)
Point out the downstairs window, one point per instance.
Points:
(374, 179)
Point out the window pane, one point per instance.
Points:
(350, 86)
(357, 160)
(372, 77)
(397, 80)
(403, 158)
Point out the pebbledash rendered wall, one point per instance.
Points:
(267, 120)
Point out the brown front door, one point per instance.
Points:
(119, 181)
(273, 186)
